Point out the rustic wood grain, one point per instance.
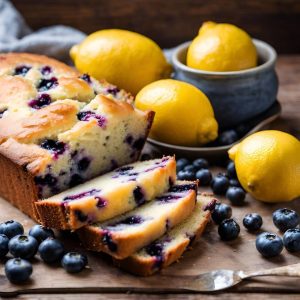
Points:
(170, 22)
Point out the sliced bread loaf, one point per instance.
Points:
(109, 195)
(122, 236)
(171, 246)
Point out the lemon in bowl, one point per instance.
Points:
(249, 85)
(268, 165)
(183, 114)
(221, 48)
(124, 58)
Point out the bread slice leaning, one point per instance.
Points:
(169, 248)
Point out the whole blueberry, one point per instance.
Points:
(231, 171)
(18, 270)
(253, 221)
(291, 240)
(190, 168)
(236, 195)
(186, 175)
(40, 233)
(204, 176)
(228, 137)
(23, 246)
(201, 163)
(269, 244)
(74, 262)
(181, 163)
(220, 184)
(229, 230)
(51, 250)
(11, 228)
(285, 219)
(221, 212)
(234, 182)
(3, 245)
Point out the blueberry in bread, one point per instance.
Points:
(170, 247)
(122, 236)
(109, 195)
(59, 128)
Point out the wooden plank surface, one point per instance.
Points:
(170, 22)
(210, 253)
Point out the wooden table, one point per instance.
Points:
(208, 254)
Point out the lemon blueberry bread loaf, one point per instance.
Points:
(109, 195)
(59, 128)
(170, 247)
(122, 236)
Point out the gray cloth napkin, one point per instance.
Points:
(16, 36)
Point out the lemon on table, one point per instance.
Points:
(124, 58)
(221, 48)
(268, 165)
(183, 114)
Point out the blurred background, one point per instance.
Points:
(170, 22)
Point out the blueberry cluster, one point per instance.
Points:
(24, 247)
(221, 184)
(267, 243)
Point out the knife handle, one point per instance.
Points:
(290, 270)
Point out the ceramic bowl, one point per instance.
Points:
(236, 96)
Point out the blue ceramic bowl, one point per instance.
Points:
(236, 96)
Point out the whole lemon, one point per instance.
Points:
(124, 58)
(183, 114)
(221, 48)
(268, 165)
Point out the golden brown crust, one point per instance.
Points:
(47, 122)
(8, 60)
(17, 186)
(91, 236)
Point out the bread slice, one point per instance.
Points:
(109, 195)
(60, 128)
(171, 246)
(122, 236)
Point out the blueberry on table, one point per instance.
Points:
(221, 212)
(269, 244)
(3, 245)
(181, 163)
(234, 182)
(285, 219)
(229, 230)
(253, 221)
(220, 184)
(228, 137)
(23, 246)
(11, 228)
(51, 250)
(201, 163)
(74, 262)
(204, 176)
(231, 171)
(291, 240)
(236, 195)
(18, 270)
(186, 175)
(190, 168)
(40, 233)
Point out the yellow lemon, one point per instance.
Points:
(221, 48)
(124, 58)
(268, 165)
(183, 114)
